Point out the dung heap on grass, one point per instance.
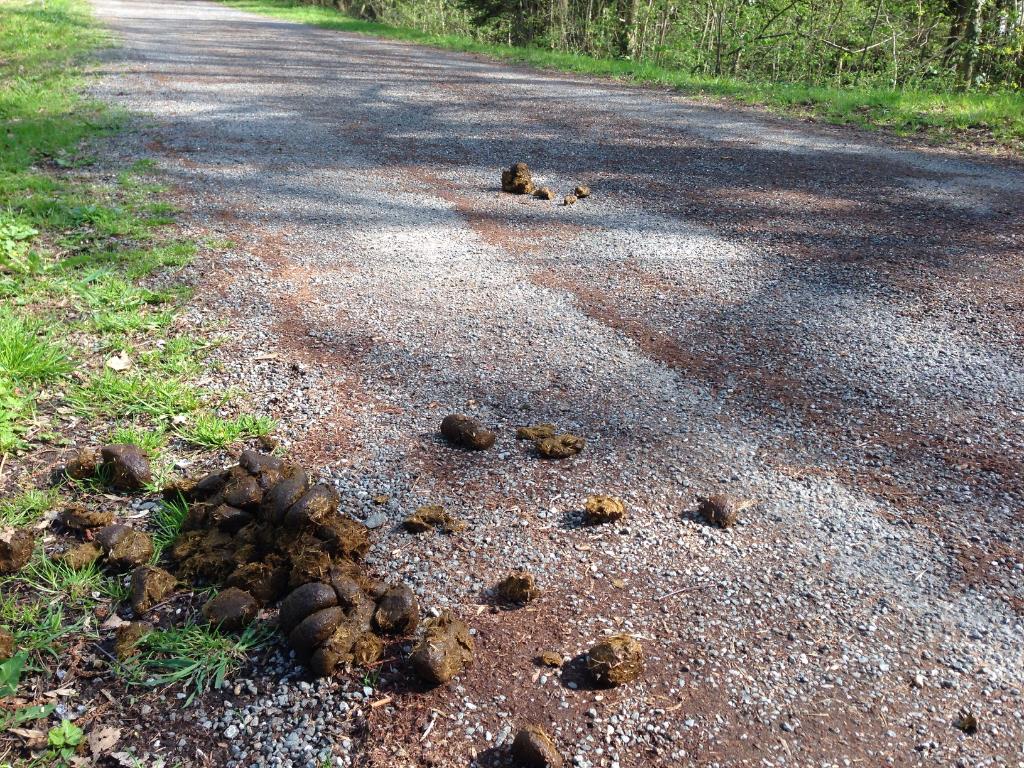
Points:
(266, 532)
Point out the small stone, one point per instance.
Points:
(125, 467)
(533, 748)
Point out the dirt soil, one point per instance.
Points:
(813, 318)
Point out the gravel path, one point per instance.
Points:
(811, 317)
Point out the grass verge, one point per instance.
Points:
(90, 352)
(968, 117)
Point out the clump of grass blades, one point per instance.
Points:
(197, 657)
(211, 431)
(166, 521)
(16, 412)
(151, 441)
(27, 350)
(26, 508)
(125, 396)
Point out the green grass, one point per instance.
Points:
(26, 508)
(16, 414)
(28, 351)
(120, 396)
(196, 657)
(165, 524)
(45, 603)
(999, 116)
(152, 441)
(208, 430)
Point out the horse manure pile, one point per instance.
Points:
(445, 649)
(518, 180)
(264, 531)
(533, 748)
(560, 446)
(549, 443)
(122, 466)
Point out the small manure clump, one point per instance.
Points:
(149, 586)
(600, 509)
(80, 517)
(467, 432)
(231, 609)
(128, 638)
(582, 191)
(549, 659)
(617, 660)
(444, 650)
(537, 432)
(6, 644)
(430, 517)
(560, 446)
(533, 748)
(125, 467)
(16, 545)
(569, 200)
(518, 588)
(722, 509)
(517, 180)
(122, 466)
(544, 193)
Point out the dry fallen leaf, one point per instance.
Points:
(102, 739)
(119, 362)
(113, 622)
(60, 692)
(34, 739)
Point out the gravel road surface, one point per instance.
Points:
(814, 318)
